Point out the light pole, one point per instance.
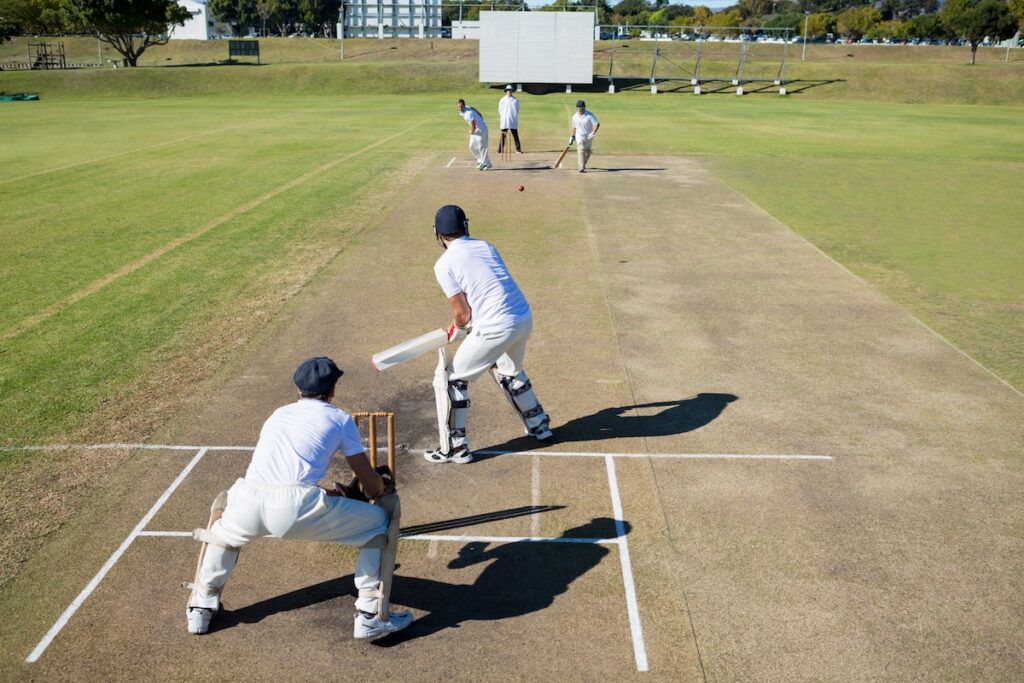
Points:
(803, 54)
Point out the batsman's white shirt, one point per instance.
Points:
(476, 268)
(508, 112)
(298, 440)
(584, 125)
(473, 115)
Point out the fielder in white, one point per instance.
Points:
(494, 321)
(477, 134)
(584, 127)
(279, 497)
(508, 117)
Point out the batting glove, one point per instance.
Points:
(456, 333)
(572, 139)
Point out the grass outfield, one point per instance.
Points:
(919, 200)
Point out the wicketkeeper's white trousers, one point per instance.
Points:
(292, 511)
(478, 147)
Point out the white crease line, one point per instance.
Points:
(535, 496)
(639, 650)
(510, 539)
(670, 456)
(187, 534)
(450, 163)
(73, 607)
(552, 454)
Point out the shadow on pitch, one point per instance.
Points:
(517, 579)
(342, 586)
(675, 417)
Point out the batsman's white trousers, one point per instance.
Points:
(584, 145)
(481, 350)
(478, 147)
(298, 512)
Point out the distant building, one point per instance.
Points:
(380, 19)
(201, 25)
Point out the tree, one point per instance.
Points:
(854, 22)
(926, 26)
(128, 26)
(1017, 7)
(33, 16)
(977, 20)
(818, 24)
(723, 23)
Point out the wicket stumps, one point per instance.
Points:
(371, 436)
(506, 146)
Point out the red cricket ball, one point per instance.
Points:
(521, 188)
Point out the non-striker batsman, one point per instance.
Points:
(494, 322)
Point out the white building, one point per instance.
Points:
(381, 19)
(201, 25)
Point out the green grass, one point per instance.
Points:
(921, 200)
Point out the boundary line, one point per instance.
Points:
(109, 564)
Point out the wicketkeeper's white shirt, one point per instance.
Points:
(471, 114)
(476, 268)
(298, 440)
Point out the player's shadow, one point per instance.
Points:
(677, 417)
(517, 578)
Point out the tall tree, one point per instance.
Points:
(34, 16)
(128, 26)
(977, 20)
(854, 22)
(1017, 7)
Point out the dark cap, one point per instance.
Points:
(451, 220)
(581, 103)
(317, 375)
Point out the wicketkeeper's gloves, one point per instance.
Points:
(354, 491)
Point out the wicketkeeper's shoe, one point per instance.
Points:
(199, 619)
(372, 626)
(460, 455)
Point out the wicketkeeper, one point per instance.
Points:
(493, 320)
(280, 497)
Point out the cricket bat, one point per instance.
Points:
(562, 156)
(407, 350)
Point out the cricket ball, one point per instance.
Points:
(521, 188)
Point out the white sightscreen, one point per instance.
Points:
(537, 47)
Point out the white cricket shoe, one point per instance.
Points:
(198, 619)
(459, 456)
(371, 626)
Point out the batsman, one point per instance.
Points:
(493, 321)
(280, 497)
